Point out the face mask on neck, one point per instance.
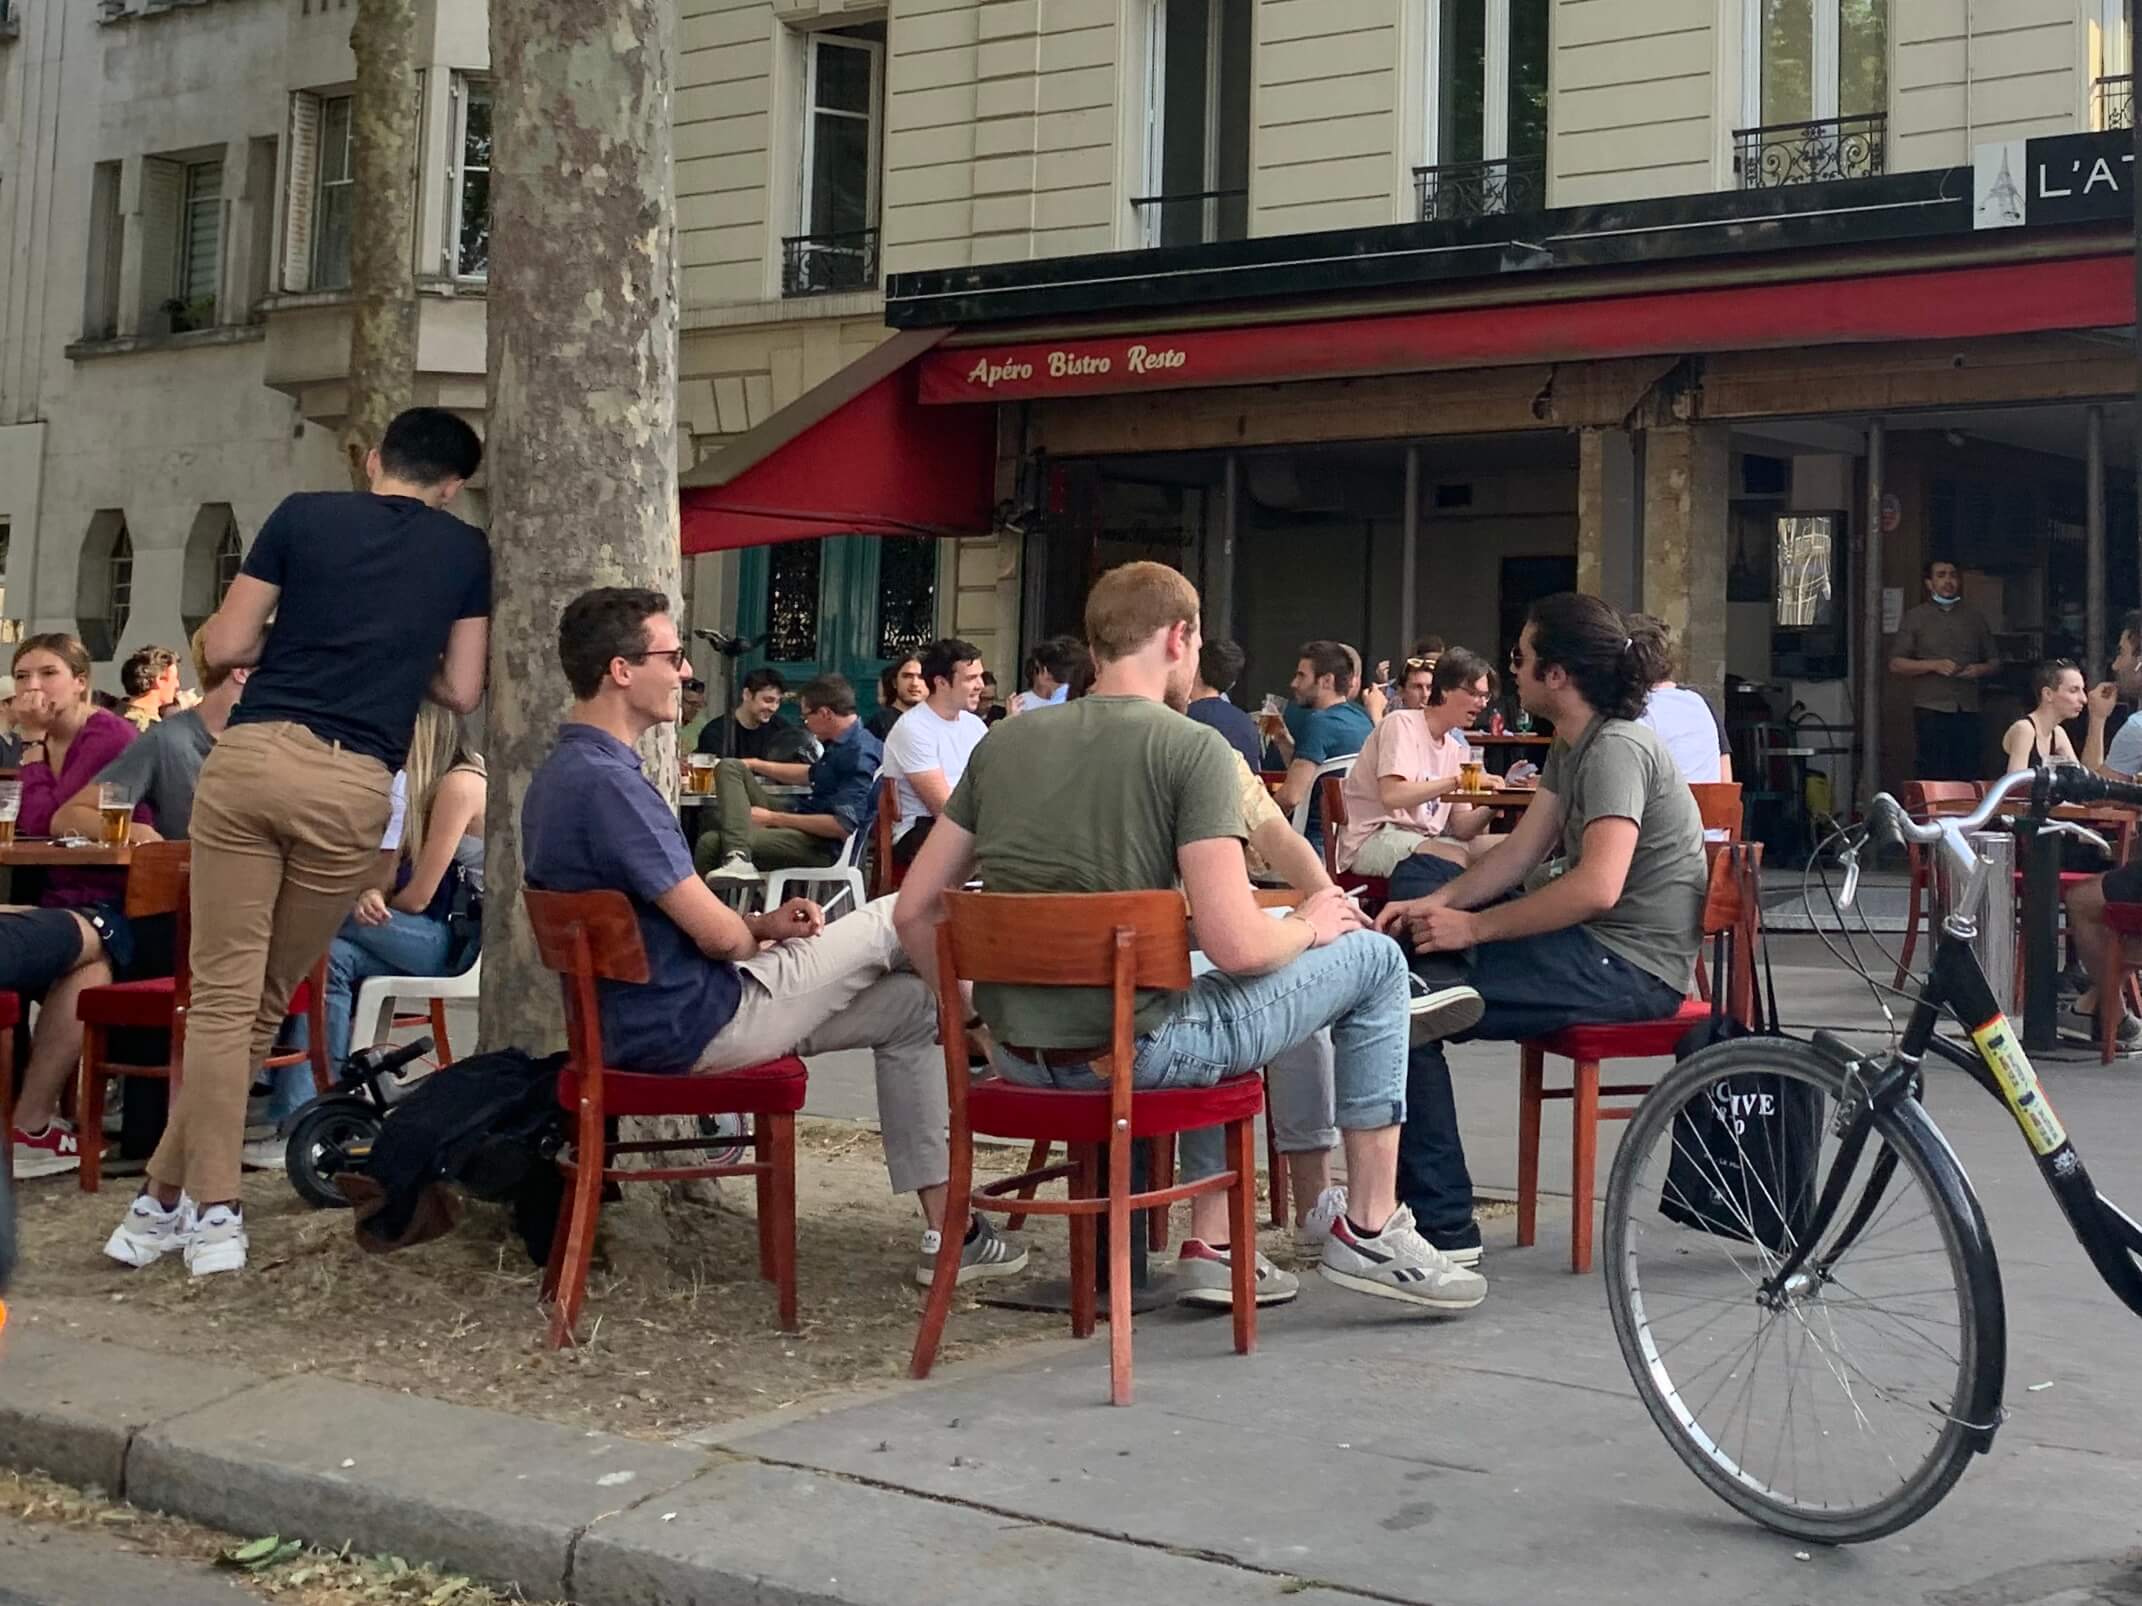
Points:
(1946, 602)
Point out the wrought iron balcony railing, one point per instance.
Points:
(1481, 189)
(2116, 102)
(1197, 217)
(818, 264)
(1778, 154)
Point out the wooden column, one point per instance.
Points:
(1684, 546)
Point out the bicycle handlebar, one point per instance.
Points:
(2051, 787)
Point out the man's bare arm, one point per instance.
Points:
(237, 632)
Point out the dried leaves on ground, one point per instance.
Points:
(679, 1332)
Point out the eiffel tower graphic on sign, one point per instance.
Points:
(2002, 204)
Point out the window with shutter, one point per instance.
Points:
(472, 209)
(100, 298)
(334, 205)
(303, 184)
(200, 255)
(163, 193)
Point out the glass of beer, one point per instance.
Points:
(1472, 776)
(10, 811)
(699, 774)
(115, 803)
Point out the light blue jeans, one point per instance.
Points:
(1225, 1025)
(407, 945)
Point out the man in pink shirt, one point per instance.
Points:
(1394, 793)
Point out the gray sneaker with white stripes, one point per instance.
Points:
(1398, 1263)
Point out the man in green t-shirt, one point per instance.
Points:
(1138, 797)
(1610, 861)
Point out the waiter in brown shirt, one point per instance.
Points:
(1944, 647)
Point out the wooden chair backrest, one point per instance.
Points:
(1277, 897)
(881, 837)
(582, 936)
(1735, 914)
(1334, 789)
(1719, 804)
(1067, 939)
(1927, 800)
(156, 878)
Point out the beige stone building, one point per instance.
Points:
(1271, 189)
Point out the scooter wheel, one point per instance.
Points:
(320, 1148)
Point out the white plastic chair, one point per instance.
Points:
(1331, 766)
(372, 1016)
(846, 871)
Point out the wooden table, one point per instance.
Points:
(1507, 739)
(2038, 861)
(42, 853)
(1511, 799)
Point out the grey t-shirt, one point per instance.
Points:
(1620, 770)
(1096, 795)
(1958, 632)
(162, 768)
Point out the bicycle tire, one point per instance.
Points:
(1965, 1248)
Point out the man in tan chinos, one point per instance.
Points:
(351, 609)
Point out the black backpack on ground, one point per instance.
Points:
(489, 1125)
(1744, 1164)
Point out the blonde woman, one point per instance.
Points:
(406, 926)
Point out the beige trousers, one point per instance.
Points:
(286, 831)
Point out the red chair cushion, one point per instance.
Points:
(127, 1003)
(2125, 918)
(1006, 1110)
(10, 1011)
(1627, 1040)
(301, 1000)
(774, 1088)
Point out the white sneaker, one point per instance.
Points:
(148, 1231)
(1316, 1226)
(217, 1242)
(1398, 1263)
(736, 867)
(265, 1154)
(1205, 1276)
(51, 1152)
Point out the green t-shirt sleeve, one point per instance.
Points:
(1617, 781)
(1208, 803)
(1551, 772)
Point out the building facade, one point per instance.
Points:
(1277, 178)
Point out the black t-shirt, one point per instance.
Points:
(1239, 729)
(371, 588)
(729, 739)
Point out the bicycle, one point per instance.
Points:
(1834, 1382)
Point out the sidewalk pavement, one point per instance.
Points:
(1361, 1453)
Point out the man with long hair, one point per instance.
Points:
(1590, 910)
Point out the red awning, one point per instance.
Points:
(855, 456)
(2093, 292)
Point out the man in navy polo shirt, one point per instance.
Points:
(725, 990)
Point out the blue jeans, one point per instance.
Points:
(407, 945)
(1530, 986)
(1225, 1025)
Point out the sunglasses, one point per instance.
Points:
(675, 655)
(1428, 662)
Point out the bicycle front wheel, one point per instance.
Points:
(1837, 1411)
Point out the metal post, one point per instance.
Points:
(1995, 915)
(1409, 559)
(2039, 852)
(1870, 623)
(2094, 664)
(1219, 600)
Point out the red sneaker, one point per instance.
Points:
(47, 1153)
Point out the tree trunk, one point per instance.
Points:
(583, 387)
(383, 308)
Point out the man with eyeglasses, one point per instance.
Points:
(726, 990)
(1411, 762)
(749, 834)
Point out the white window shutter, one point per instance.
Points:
(304, 180)
(162, 190)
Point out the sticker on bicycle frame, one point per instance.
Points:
(2004, 1056)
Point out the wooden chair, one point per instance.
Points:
(1928, 800)
(586, 936)
(1725, 910)
(157, 883)
(885, 876)
(1375, 890)
(1719, 804)
(2115, 975)
(1121, 941)
(10, 1018)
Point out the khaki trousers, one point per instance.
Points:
(286, 831)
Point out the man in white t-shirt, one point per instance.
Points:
(1412, 760)
(926, 752)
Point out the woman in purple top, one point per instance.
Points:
(67, 740)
